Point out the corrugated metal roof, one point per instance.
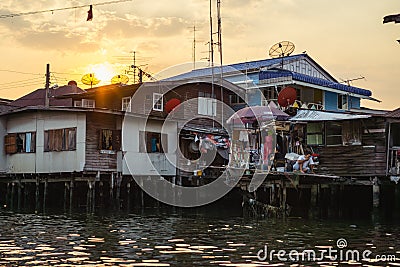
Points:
(318, 115)
(38, 97)
(265, 75)
(251, 65)
(395, 114)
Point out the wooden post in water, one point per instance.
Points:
(8, 195)
(101, 193)
(89, 197)
(313, 201)
(45, 194)
(375, 193)
(71, 194)
(112, 187)
(128, 197)
(19, 193)
(93, 195)
(26, 194)
(66, 185)
(37, 191)
(284, 196)
(12, 195)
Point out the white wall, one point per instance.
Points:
(3, 132)
(47, 162)
(136, 163)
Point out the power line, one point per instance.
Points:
(20, 72)
(58, 9)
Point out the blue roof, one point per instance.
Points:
(251, 65)
(313, 80)
(272, 63)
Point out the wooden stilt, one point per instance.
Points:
(313, 201)
(45, 195)
(19, 193)
(112, 187)
(284, 195)
(128, 197)
(101, 193)
(12, 195)
(66, 185)
(71, 194)
(93, 195)
(37, 191)
(375, 193)
(26, 194)
(8, 196)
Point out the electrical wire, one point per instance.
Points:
(20, 72)
(58, 9)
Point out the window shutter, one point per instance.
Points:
(10, 143)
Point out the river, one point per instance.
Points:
(169, 237)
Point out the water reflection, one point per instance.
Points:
(180, 239)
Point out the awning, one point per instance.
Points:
(318, 115)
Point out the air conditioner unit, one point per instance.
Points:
(77, 103)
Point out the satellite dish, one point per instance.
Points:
(90, 79)
(281, 49)
(120, 79)
(171, 104)
(287, 96)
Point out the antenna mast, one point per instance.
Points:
(219, 31)
(194, 46)
(47, 86)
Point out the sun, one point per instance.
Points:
(103, 72)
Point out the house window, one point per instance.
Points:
(315, 133)
(60, 140)
(20, 143)
(78, 103)
(150, 142)
(343, 101)
(207, 104)
(88, 103)
(333, 133)
(157, 102)
(235, 99)
(270, 93)
(351, 132)
(110, 139)
(126, 104)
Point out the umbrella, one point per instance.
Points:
(260, 113)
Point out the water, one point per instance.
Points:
(156, 237)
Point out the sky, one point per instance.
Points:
(347, 38)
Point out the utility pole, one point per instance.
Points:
(47, 86)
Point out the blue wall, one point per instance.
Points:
(330, 101)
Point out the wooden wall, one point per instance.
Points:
(368, 159)
(96, 161)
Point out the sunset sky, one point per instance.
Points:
(347, 38)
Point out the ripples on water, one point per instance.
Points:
(177, 239)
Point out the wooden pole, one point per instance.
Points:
(47, 101)
(45, 194)
(12, 195)
(37, 191)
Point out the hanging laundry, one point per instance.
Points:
(90, 13)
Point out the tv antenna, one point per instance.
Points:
(348, 81)
(281, 49)
(90, 79)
